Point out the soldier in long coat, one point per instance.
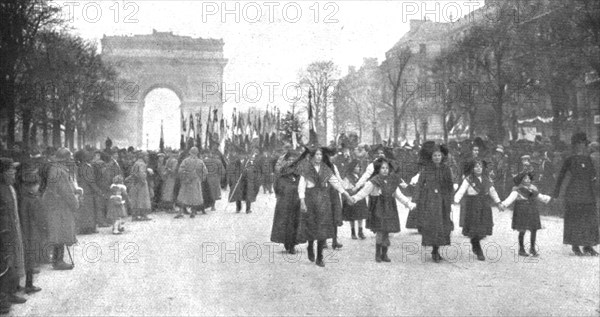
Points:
(137, 184)
(267, 170)
(192, 172)
(62, 204)
(86, 216)
(11, 238)
(169, 176)
(216, 171)
(247, 184)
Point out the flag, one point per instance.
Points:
(182, 143)
(183, 122)
(191, 131)
(199, 130)
(161, 143)
(294, 140)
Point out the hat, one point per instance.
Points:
(62, 154)
(141, 154)
(407, 146)
(519, 178)
(194, 150)
(500, 149)
(161, 155)
(7, 163)
(526, 156)
(579, 138)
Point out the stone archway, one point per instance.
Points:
(185, 65)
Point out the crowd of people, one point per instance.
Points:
(48, 198)
(318, 189)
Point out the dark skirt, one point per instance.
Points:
(434, 219)
(287, 215)
(318, 222)
(358, 211)
(207, 194)
(581, 224)
(383, 214)
(478, 219)
(412, 221)
(526, 216)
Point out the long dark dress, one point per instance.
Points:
(383, 209)
(358, 211)
(581, 215)
(287, 209)
(478, 219)
(319, 222)
(433, 196)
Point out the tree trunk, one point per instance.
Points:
(445, 128)
(56, 141)
(33, 135)
(45, 134)
(27, 116)
(471, 123)
(500, 132)
(396, 117)
(8, 101)
(69, 135)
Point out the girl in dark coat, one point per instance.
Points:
(287, 208)
(383, 190)
(319, 221)
(433, 196)
(359, 211)
(478, 188)
(525, 215)
(581, 215)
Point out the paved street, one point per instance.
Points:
(223, 264)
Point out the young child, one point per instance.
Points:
(116, 206)
(526, 216)
(359, 211)
(478, 220)
(382, 189)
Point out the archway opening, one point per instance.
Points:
(161, 106)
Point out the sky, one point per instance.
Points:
(273, 49)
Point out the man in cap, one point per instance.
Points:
(62, 203)
(192, 173)
(11, 238)
(139, 193)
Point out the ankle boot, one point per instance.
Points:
(354, 234)
(360, 233)
(435, 255)
(311, 252)
(522, 251)
(480, 255)
(319, 261)
(377, 252)
(577, 251)
(384, 256)
(590, 250)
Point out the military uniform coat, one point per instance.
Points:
(192, 173)
(62, 205)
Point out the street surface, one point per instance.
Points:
(223, 264)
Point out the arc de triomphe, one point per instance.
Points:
(190, 67)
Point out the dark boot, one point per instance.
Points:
(476, 245)
(319, 261)
(377, 252)
(335, 244)
(353, 234)
(360, 233)
(384, 256)
(532, 249)
(590, 250)
(29, 287)
(248, 209)
(577, 251)
(521, 245)
(311, 251)
(59, 263)
(238, 206)
(435, 255)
